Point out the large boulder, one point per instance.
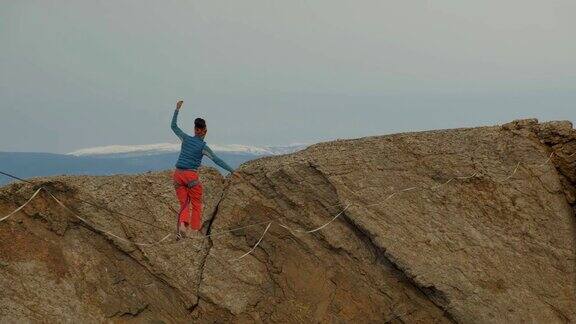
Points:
(463, 225)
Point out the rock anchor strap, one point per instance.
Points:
(192, 183)
(189, 185)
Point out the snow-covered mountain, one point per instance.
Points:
(127, 149)
(153, 149)
(124, 159)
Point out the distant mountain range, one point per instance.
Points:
(118, 159)
(162, 148)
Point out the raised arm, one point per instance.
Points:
(208, 152)
(174, 125)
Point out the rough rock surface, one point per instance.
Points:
(496, 244)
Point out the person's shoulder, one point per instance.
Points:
(188, 139)
(196, 139)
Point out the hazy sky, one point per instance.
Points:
(76, 74)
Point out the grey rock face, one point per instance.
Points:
(464, 225)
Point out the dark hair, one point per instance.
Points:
(200, 123)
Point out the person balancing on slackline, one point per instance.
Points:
(186, 181)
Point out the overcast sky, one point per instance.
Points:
(77, 74)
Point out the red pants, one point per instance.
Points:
(189, 194)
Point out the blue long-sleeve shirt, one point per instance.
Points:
(193, 149)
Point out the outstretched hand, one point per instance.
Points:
(233, 177)
(179, 104)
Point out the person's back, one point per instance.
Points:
(186, 181)
(191, 153)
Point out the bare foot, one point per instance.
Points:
(183, 230)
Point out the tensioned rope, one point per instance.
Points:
(435, 187)
(318, 228)
(269, 222)
(98, 206)
(265, 222)
(102, 230)
(19, 208)
(255, 245)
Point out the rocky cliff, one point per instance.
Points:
(466, 225)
